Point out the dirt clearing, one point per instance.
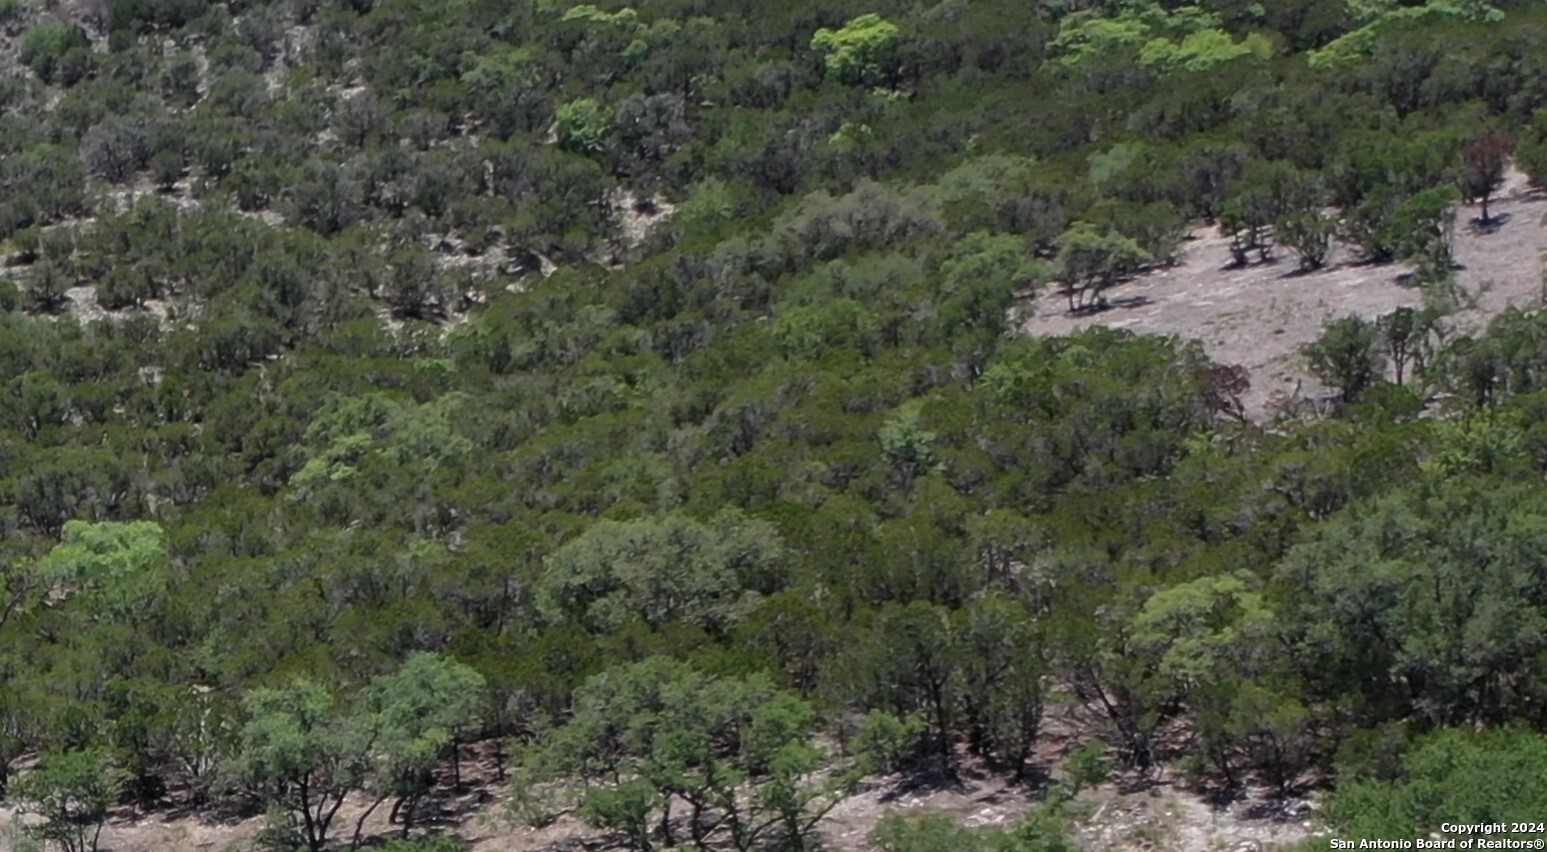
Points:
(1259, 316)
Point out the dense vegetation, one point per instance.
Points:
(344, 479)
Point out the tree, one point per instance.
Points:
(1003, 680)
(862, 53)
(1483, 163)
(734, 750)
(980, 284)
(908, 447)
(1346, 356)
(45, 287)
(661, 571)
(417, 716)
(1403, 615)
(1490, 776)
(1402, 333)
(1423, 228)
(46, 46)
(584, 126)
(1309, 235)
(70, 793)
(118, 570)
(116, 148)
(298, 752)
(1090, 263)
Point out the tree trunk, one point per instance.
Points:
(410, 804)
(665, 826)
(360, 823)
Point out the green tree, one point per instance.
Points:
(1402, 335)
(584, 126)
(117, 570)
(45, 287)
(46, 46)
(1409, 617)
(862, 52)
(908, 446)
(69, 793)
(660, 571)
(1424, 226)
(734, 750)
(1487, 776)
(1309, 235)
(1347, 357)
(1091, 263)
(418, 716)
(298, 752)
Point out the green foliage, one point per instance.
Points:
(661, 571)
(1491, 776)
(69, 794)
(1460, 621)
(115, 569)
(665, 364)
(47, 46)
(584, 126)
(297, 754)
(643, 732)
(1309, 235)
(1091, 263)
(416, 717)
(908, 447)
(439, 844)
(1087, 767)
(1378, 16)
(1203, 51)
(1347, 357)
(861, 53)
(1183, 39)
(897, 833)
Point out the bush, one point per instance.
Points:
(45, 47)
(438, 844)
(1455, 776)
(139, 15)
(12, 11)
(10, 296)
(936, 833)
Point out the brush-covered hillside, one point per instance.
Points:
(979, 425)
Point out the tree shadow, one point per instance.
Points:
(927, 781)
(181, 804)
(1479, 227)
(1236, 265)
(1306, 272)
(1105, 305)
(1287, 806)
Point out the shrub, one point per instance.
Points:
(44, 48)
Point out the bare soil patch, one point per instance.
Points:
(1260, 315)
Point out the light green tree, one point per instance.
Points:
(908, 446)
(299, 753)
(584, 125)
(1091, 262)
(70, 793)
(116, 569)
(416, 716)
(862, 52)
(735, 751)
